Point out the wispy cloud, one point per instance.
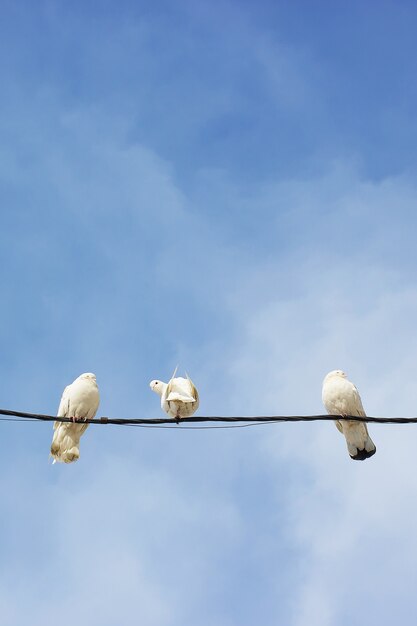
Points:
(178, 187)
(314, 312)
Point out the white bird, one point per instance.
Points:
(179, 398)
(340, 397)
(79, 402)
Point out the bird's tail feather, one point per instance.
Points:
(361, 452)
(65, 446)
(361, 455)
(360, 445)
(71, 455)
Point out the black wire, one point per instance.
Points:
(17, 419)
(169, 422)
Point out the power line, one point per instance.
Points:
(170, 422)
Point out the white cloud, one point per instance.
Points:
(350, 524)
(119, 542)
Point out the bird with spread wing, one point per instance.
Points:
(179, 397)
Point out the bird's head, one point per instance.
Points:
(335, 373)
(157, 386)
(88, 376)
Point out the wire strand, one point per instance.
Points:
(169, 427)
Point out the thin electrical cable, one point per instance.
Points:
(169, 427)
(18, 419)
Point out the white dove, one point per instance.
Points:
(179, 398)
(79, 401)
(340, 397)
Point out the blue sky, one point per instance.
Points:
(231, 187)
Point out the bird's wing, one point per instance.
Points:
(356, 403)
(179, 397)
(83, 427)
(63, 409)
(168, 389)
(193, 389)
(181, 389)
(359, 443)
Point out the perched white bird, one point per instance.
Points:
(179, 398)
(79, 402)
(340, 397)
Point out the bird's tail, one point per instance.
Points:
(360, 445)
(361, 455)
(66, 456)
(65, 449)
(71, 455)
